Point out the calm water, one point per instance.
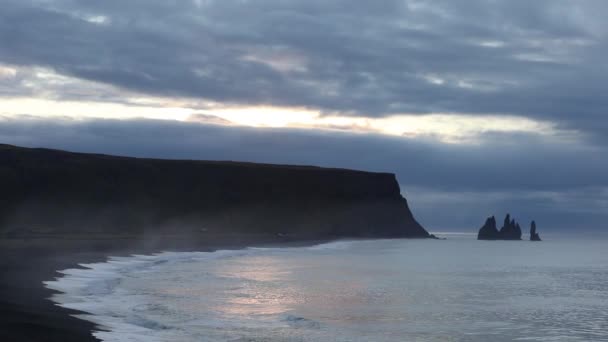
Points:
(459, 289)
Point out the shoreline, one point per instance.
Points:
(26, 308)
(29, 314)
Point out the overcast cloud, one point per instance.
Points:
(542, 60)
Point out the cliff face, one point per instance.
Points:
(56, 192)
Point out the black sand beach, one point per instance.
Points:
(26, 311)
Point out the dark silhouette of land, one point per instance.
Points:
(57, 193)
(533, 234)
(59, 208)
(509, 231)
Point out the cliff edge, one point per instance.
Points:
(57, 193)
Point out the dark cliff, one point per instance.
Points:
(48, 192)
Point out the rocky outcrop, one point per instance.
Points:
(533, 234)
(488, 231)
(509, 231)
(56, 192)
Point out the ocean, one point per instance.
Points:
(458, 289)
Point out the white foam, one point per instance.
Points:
(95, 289)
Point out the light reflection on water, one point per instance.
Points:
(389, 290)
(252, 294)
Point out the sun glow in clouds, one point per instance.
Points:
(447, 128)
(55, 95)
(82, 110)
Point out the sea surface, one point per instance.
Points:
(457, 289)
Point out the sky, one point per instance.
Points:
(479, 107)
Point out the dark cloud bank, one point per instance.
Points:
(449, 186)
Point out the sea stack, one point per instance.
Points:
(488, 231)
(509, 231)
(533, 234)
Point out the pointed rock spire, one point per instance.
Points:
(533, 234)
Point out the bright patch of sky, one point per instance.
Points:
(46, 93)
